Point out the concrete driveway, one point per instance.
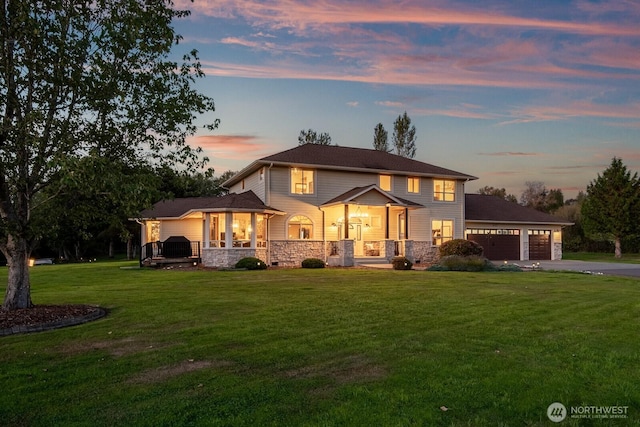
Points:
(609, 268)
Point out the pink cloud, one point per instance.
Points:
(236, 147)
(574, 109)
(300, 16)
(511, 154)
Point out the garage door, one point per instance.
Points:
(497, 247)
(539, 244)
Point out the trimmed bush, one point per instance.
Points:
(313, 263)
(251, 263)
(401, 263)
(460, 247)
(466, 263)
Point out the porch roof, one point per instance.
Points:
(352, 195)
(180, 208)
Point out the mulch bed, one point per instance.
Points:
(47, 317)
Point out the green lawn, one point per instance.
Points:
(332, 347)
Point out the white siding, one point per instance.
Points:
(251, 183)
(189, 228)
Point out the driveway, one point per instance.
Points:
(609, 268)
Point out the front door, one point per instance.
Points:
(359, 243)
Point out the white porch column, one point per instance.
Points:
(206, 238)
(253, 229)
(228, 230)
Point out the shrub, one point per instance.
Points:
(466, 263)
(460, 247)
(313, 263)
(251, 263)
(401, 263)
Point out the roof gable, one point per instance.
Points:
(371, 194)
(479, 207)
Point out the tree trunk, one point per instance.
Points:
(18, 293)
(129, 248)
(618, 253)
(111, 248)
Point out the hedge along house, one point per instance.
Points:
(339, 204)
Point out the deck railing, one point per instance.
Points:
(170, 250)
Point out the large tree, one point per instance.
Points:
(404, 136)
(312, 137)
(380, 138)
(612, 206)
(78, 79)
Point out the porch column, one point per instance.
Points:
(406, 223)
(346, 222)
(386, 229)
(143, 233)
(205, 230)
(228, 230)
(253, 229)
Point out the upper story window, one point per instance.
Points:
(444, 190)
(413, 185)
(385, 182)
(300, 227)
(302, 181)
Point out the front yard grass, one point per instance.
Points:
(324, 347)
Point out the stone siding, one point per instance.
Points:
(227, 258)
(291, 253)
(424, 252)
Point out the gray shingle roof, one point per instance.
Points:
(479, 207)
(176, 208)
(349, 158)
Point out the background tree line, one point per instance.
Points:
(605, 215)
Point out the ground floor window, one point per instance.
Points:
(300, 227)
(442, 231)
(153, 231)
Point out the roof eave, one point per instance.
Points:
(251, 167)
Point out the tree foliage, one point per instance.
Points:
(536, 196)
(381, 139)
(612, 206)
(85, 80)
(312, 137)
(497, 192)
(404, 136)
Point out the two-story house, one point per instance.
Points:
(340, 204)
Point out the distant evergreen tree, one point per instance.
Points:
(404, 136)
(381, 138)
(612, 206)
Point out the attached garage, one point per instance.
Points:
(498, 244)
(508, 231)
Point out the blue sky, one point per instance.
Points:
(509, 91)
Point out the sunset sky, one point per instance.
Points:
(509, 91)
